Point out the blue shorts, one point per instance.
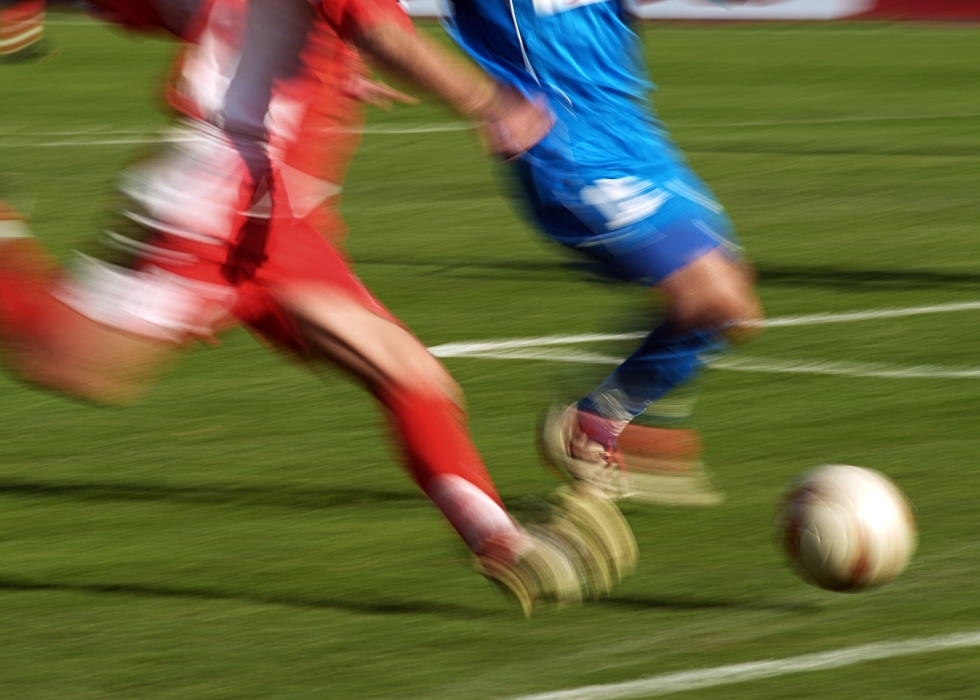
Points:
(640, 228)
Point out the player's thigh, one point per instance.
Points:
(714, 291)
(308, 299)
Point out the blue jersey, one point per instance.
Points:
(606, 180)
(585, 57)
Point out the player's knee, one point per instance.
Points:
(715, 292)
(418, 370)
(375, 349)
(744, 316)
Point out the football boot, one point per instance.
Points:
(647, 463)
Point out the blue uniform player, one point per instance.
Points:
(608, 182)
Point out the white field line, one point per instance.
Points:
(828, 120)
(871, 314)
(102, 130)
(110, 138)
(745, 364)
(532, 354)
(551, 348)
(757, 670)
(473, 348)
(91, 142)
(843, 369)
(113, 137)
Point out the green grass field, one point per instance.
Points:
(244, 532)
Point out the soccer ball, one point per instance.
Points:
(846, 528)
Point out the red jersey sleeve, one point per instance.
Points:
(350, 18)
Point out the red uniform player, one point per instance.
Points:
(238, 214)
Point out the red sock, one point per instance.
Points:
(26, 274)
(443, 461)
(603, 430)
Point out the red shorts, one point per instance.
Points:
(208, 258)
(269, 256)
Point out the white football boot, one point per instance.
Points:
(584, 548)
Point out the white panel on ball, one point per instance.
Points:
(846, 528)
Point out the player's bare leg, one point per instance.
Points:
(87, 360)
(49, 343)
(713, 292)
(376, 350)
(585, 547)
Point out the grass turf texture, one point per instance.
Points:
(244, 532)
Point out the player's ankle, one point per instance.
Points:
(504, 547)
(599, 429)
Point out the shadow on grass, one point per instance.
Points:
(934, 151)
(480, 269)
(414, 607)
(296, 498)
(776, 276)
(856, 280)
(640, 603)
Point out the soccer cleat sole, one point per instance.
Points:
(508, 579)
(592, 563)
(597, 518)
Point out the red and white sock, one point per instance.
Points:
(443, 461)
(21, 26)
(605, 431)
(26, 274)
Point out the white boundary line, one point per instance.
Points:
(827, 120)
(112, 137)
(550, 348)
(473, 348)
(469, 348)
(871, 314)
(763, 365)
(843, 369)
(169, 138)
(94, 142)
(91, 131)
(757, 670)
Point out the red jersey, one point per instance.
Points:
(348, 18)
(270, 73)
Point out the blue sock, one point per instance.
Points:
(665, 360)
